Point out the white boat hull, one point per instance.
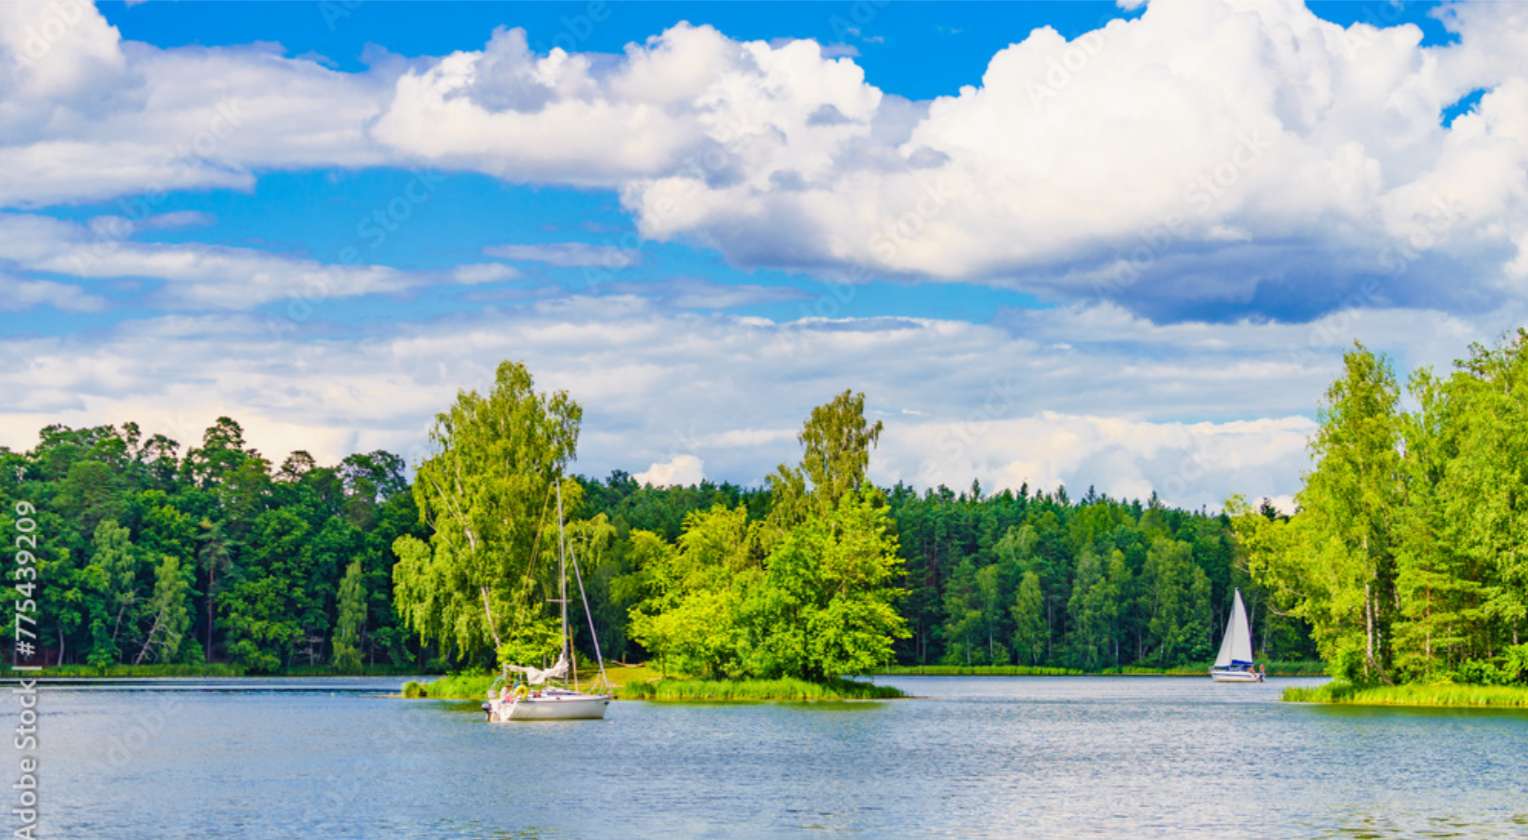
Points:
(560, 706)
(1236, 676)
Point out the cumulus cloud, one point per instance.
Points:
(1286, 167)
(85, 115)
(1282, 155)
(679, 470)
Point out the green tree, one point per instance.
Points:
(1031, 633)
(488, 493)
(1094, 610)
(825, 607)
(1335, 564)
(170, 612)
(836, 441)
(691, 615)
(1178, 603)
(350, 625)
(113, 574)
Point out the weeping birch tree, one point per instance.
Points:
(489, 492)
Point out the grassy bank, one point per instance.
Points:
(747, 691)
(639, 682)
(1275, 669)
(215, 670)
(474, 685)
(1413, 694)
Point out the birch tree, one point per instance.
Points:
(489, 492)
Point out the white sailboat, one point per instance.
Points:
(1234, 662)
(535, 696)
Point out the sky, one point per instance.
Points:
(1092, 244)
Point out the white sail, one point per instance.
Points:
(1236, 645)
(537, 676)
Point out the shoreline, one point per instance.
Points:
(1275, 669)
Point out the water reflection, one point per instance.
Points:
(974, 757)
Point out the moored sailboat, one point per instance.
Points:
(536, 694)
(1234, 661)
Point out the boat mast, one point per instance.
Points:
(562, 573)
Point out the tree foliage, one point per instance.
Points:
(1409, 554)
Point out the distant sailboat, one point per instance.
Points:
(531, 698)
(1234, 662)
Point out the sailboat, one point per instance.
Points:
(1234, 662)
(545, 693)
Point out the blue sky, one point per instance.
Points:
(1090, 243)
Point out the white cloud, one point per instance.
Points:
(85, 115)
(567, 254)
(695, 293)
(679, 470)
(1279, 150)
(1194, 412)
(1283, 162)
(200, 276)
(16, 294)
(1187, 464)
(483, 273)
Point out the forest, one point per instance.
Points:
(151, 553)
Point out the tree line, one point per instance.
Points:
(148, 554)
(154, 554)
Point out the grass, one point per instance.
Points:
(639, 682)
(1441, 695)
(473, 685)
(754, 691)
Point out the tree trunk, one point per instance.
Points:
(149, 640)
(1369, 630)
(493, 629)
(212, 582)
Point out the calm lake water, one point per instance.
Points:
(978, 757)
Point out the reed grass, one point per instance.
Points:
(639, 682)
(754, 691)
(1413, 694)
(469, 686)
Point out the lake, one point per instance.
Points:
(972, 757)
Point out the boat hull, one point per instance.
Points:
(1236, 676)
(557, 707)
